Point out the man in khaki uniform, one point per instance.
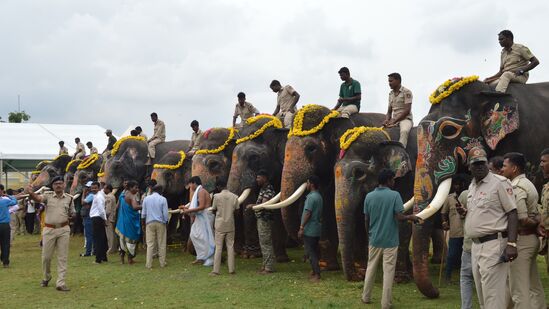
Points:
(62, 149)
(544, 210)
(399, 112)
(59, 208)
(224, 205)
(491, 222)
(516, 61)
(524, 280)
(80, 151)
(197, 134)
(159, 135)
(286, 101)
(92, 148)
(110, 209)
(243, 109)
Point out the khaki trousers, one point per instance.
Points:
(152, 147)
(14, 226)
(156, 242)
(503, 81)
(347, 111)
(524, 280)
(286, 118)
(405, 127)
(489, 273)
(228, 239)
(389, 264)
(55, 240)
(112, 241)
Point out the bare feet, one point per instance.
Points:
(196, 262)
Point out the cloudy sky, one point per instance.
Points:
(112, 63)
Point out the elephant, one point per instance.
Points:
(312, 148)
(78, 174)
(356, 171)
(49, 170)
(465, 113)
(173, 171)
(265, 152)
(213, 160)
(129, 157)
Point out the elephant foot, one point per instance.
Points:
(328, 265)
(282, 259)
(402, 277)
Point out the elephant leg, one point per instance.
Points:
(437, 237)
(403, 271)
(172, 228)
(279, 239)
(185, 228)
(421, 236)
(251, 244)
(239, 240)
(360, 246)
(329, 239)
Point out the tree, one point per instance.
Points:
(18, 117)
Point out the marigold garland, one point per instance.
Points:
(220, 148)
(297, 129)
(351, 135)
(170, 166)
(123, 139)
(36, 172)
(88, 162)
(71, 163)
(449, 87)
(43, 162)
(274, 122)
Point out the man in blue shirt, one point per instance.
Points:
(382, 209)
(310, 225)
(154, 216)
(89, 192)
(6, 201)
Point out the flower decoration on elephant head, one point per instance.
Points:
(273, 122)
(89, 161)
(450, 86)
(353, 134)
(232, 132)
(178, 164)
(297, 128)
(119, 142)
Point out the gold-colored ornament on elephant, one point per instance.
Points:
(274, 122)
(173, 166)
(297, 128)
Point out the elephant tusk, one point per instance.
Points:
(289, 201)
(174, 211)
(244, 195)
(408, 205)
(114, 191)
(76, 196)
(437, 202)
(40, 190)
(272, 201)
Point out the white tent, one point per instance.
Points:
(22, 145)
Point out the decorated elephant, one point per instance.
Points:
(312, 148)
(173, 171)
(466, 114)
(129, 157)
(80, 172)
(260, 146)
(365, 151)
(49, 170)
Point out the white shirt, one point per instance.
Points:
(30, 207)
(98, 206)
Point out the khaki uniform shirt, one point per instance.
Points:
(467, 242)
(58, 210)
(194, 140)
(93, 150)
(80, 146)
(285, 99)
(517, 57)
(456, 222)
(159, 130)
(110, 206)
(245, 112)
(526, 197)
(488, 203)
(545, 206)
(63, 150)
(398, 101)
(225, 203)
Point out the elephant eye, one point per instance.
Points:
(449, 129)
(253, 161)
(310, 148)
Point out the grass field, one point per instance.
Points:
(182, 285)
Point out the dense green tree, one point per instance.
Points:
(18, 117)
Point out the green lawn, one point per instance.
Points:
(181, 285)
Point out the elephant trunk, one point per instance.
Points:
(347, 202)
(74, 184)
(421, 242)
(43, 179)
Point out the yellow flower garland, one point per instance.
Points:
(449, 87)
(297, 129)
(345, 141)
(123, 139)
(71, 163)
(45, 162)
(36, 172)
(170, 166)
(88, 162)
(274, 122)
(220, 148)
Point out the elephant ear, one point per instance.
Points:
(500, 117)
(393, 155)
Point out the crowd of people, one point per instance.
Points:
(493, 220)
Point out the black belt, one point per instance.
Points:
(486, 238)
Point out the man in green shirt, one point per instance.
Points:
(310, 225)
(349, 94)
(382, 209)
